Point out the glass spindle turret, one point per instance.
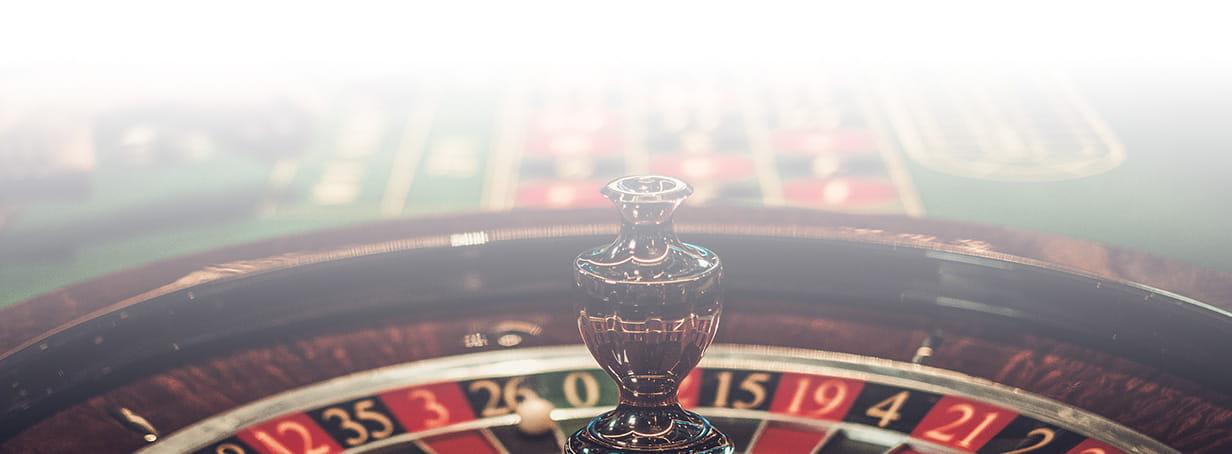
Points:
(650, 307)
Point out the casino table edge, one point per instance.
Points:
(28, 320)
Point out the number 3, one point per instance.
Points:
(432, 405)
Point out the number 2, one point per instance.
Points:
(1046, 436)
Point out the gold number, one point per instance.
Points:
(966, 413)
(1093, 451)
(290, 426)
(941, 434)
(501, 400)
(363, 412)
(304, 435)
(492, 407)
(588, 383)
(753, 383)
(797, 398)
(515, 392)
(827, 400)
(361, 432)
(271, 443)
(887, 409)
(1046, 436)
(988, 419)
(720, 395)
(228, 448)
(431, 404)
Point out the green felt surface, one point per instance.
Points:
(1171, 196)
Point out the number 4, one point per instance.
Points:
(887, 409)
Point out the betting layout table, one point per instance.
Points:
(135, 180)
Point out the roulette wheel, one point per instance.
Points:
(350, 241)
(841, 334)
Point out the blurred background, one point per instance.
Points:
(134, 131)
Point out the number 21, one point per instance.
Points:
(966, 412)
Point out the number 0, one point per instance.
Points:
(589, 384)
